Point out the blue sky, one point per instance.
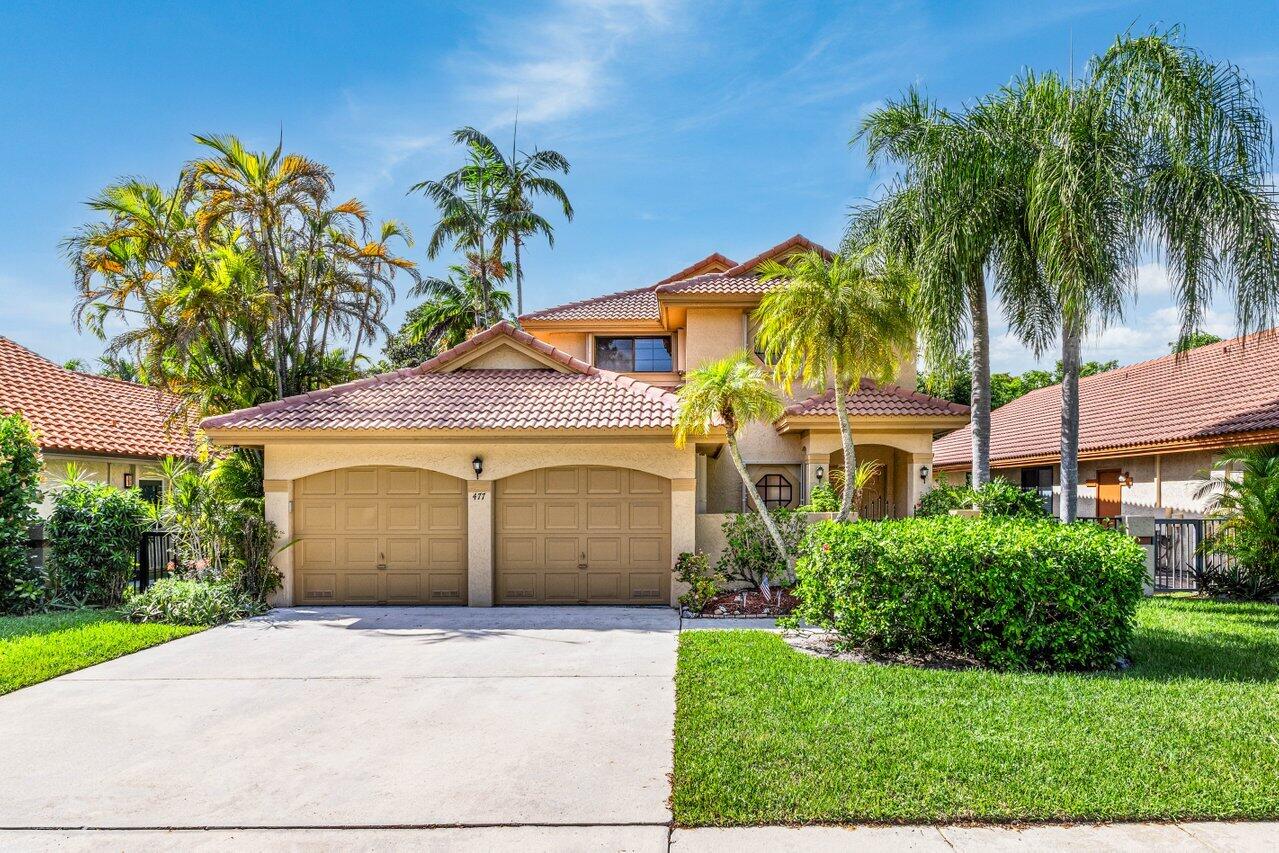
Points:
(692, 126)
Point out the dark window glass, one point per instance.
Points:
(774, 489)
(151, 490)
(633, 355)
(1039, 481)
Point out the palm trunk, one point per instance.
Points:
(980, 381)
(1071, 344)
(764, 515)
(519, 276)
(484, 288)
(364, 318)
(850, 451)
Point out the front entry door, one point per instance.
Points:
(1110, 496)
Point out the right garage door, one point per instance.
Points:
(583, 535)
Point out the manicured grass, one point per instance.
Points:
(764, 734)
(37, 648)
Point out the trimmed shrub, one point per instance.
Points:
(749, 552)
(998, 498)
(823, 498)
(94, 530)
(942, 498)
(20, 465)
(694, 569)
(188, 602)
(1013, 594)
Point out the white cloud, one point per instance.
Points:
(1152, 279)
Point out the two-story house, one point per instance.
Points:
(536, 465)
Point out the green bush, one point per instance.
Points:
(1013, 594)
(20, 466)
(694, 569)
(189, 602)
(749, 552)
(823, 498)
(998, 498)
(1246, 502)
(94, 530)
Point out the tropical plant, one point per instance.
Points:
(1244, 499)
(20, 466)
(955, 384)
(823, 498)
(732, 392)
(453, 309)
(998, 498)
(94, 529)
(523, 179)
(836, 320)
(380, 265)
(750, 553)
(693, 569)
(189, 602)
(862, 478)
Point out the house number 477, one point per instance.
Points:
(479, 496)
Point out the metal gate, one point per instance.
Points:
(1180, 560)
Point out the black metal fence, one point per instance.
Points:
(155, 554)
(1180, 558)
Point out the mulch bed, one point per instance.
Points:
(826, 645)
(750, 603)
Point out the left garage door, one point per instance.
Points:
(380, 535)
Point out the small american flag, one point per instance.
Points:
(765, 588)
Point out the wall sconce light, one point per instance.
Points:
(128, 480)
(478, 464)
(1127, 478)
(821, 472)
(923, 473)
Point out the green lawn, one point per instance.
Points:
(37, 648)
(764, 734)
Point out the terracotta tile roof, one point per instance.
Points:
(718, 261)
(798, 243)
(1209, 393)
(743, 284)
(637, 304)
(81, 413)
(872, 400)
(423, 398)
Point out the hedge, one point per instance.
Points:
(1012, 593)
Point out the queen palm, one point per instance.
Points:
(836, 321)
(454, 308)
(523, 179)
(732, 391)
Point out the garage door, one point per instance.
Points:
(583, 535)
(380, 536)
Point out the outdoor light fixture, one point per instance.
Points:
(128, 481)
(821, 472)
(1127, 478)
(923, 473)
(478, 464)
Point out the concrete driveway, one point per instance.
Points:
(371, 717)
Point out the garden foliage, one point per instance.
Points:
(749, 553)
(1247, 504)
(20, 465)
(823, 498)
(95, 529)
(190, 602)
(998, 497)
(1013, 594)
(694, 569)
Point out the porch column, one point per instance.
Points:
(683, 527)
(479, 531)
(916, 485)
(813, 461)
(277, 505)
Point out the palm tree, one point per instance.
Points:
(1157, 148)
(1245, 499)
(523, 179)
(836, 321)
(734, 392)
(381, 265)
(472, 214)
(453, 309)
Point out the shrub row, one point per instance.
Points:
(998, 497)
(1013, 594)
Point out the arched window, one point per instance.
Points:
(774, 490)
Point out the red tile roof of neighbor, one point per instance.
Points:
(641, 303)
(872, 400)
(423, 398)
(1206, 395)
(81, 413)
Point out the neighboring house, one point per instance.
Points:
(114, 430)
(537, 466)
(1148, 433)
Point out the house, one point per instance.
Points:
(536, 465)
(1148, 433)
(115, 431)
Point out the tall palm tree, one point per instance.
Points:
(523, 179)
(735, 392)
(453, 309)
(472, 214)
(1154, 148)
(381, 265)
(836, 321)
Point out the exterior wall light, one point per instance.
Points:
(128, 480)
(478, 464)
(821, 472)
(923, 473)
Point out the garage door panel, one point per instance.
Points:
(386, 535)
(581, 535)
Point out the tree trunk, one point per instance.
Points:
(485, 305)
(519, 276)
(850, 451)
(980, 380)
(764, 515)
(1071, 344)
(364, 318)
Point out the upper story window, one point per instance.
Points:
(752, 332)
(633, 354)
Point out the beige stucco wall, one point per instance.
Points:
(712, 333)
(573, 343)
(288, 461)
